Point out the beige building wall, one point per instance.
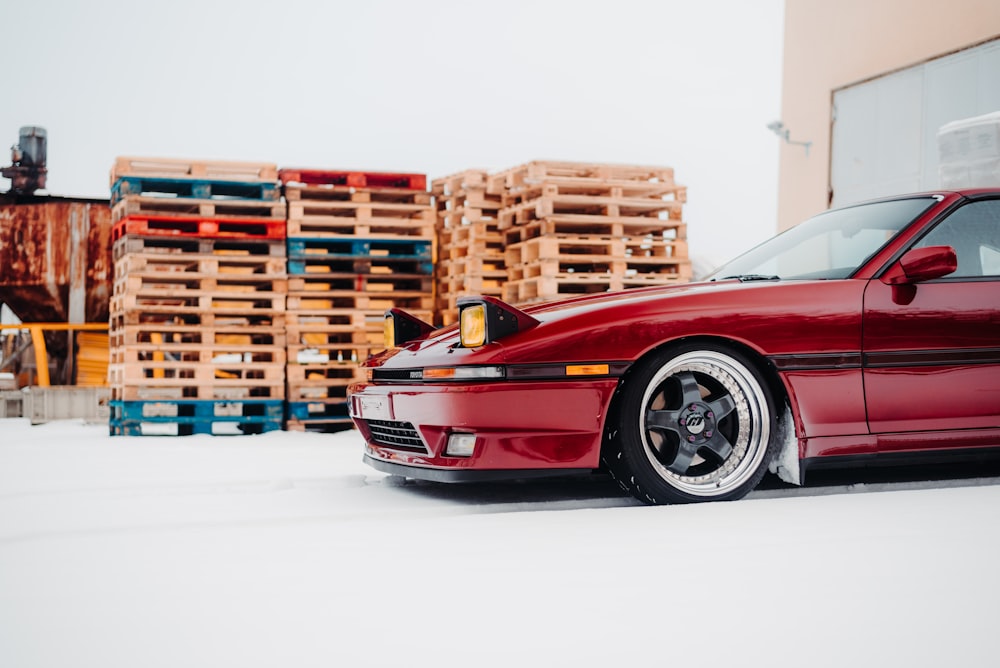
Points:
(832, 44)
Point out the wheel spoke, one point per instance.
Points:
(690, 391)
(719, 446)
(682, 460)
(663, 420)
(722, 406)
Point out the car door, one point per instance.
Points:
(932, 349)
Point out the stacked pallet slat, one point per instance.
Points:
(359, 243)
(198, 303)
(578, 228)
(470, 244)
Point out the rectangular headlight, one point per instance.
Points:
(472, 326)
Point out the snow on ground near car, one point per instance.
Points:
(285, 550)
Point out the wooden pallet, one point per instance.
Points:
(327, 381)
(353, 178)
(194, 188)
(231, 249)
(248, 338)
(258, 320)
(548, 171)
(297, 193)
(192, 169)
(180, 353)
(388, 284)
(592, 225)
(198, 226)
(549, 288)
(200, 264)
(624, 208)
(461, 199)
(336, 301)
(476, 239)
(344, 353)
(206, 389)
(198, 303)
(135, 205)
(597, 248)
(191, 285)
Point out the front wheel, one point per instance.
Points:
(696, 423)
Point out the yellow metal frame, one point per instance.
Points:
(38, 329)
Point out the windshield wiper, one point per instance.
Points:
(746, 278)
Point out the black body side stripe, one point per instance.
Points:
(885, 360)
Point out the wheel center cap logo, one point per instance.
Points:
(695, 423)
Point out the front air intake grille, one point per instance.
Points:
(402, 435)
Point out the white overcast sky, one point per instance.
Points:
(434, 86)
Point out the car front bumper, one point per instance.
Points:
(522, 429)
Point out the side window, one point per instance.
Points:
(974, 232)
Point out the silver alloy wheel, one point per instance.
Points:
(704, 423)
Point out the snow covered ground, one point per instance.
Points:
(285, 550)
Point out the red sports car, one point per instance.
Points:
(867, 333)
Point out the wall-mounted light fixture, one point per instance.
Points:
(778, 128)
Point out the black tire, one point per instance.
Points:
(693, 423)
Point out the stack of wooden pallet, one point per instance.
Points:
(576, 228)
(359, 243)
(198, 302)
(470, 258)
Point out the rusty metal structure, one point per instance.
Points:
(55, 260)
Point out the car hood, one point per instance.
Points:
(624, 325)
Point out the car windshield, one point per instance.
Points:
(828, 246)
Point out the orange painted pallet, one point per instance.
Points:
(354, 178)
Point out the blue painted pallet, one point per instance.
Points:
(194, 188)
(307, 248)
(140, 418)
(339, 255)
(317, 410)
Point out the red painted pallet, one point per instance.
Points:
(198, 226)
(354, 178)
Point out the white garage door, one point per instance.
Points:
(885, 130)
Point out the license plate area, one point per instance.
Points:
(372, 407)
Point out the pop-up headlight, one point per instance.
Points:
(401, 327)
(483, 320)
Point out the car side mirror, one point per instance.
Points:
(922, 264)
